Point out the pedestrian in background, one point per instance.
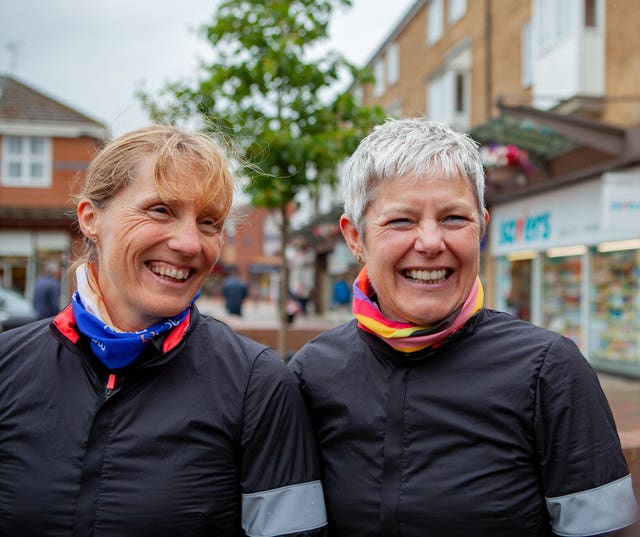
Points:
(46, 292)
(341, 294)
(435, 416)
(132, 414)
(234, 291)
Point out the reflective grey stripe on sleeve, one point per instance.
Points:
(595, 511)
(285, 510)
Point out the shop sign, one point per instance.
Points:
(525, 229)
(605, 209)
(621, 200)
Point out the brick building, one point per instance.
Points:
(453, 59)
(44, 145)
(252, 249)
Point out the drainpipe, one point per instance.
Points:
(488, 61)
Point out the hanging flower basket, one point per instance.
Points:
(505, 156)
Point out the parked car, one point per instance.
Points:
(15, 310)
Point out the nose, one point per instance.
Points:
(430, 239)
(185, 237)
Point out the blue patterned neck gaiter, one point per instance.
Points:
(118, 349)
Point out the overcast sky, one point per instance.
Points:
(93, 56)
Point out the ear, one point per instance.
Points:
(486, 218)
(351, 236)
(87, 217)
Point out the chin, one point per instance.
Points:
(169, 310)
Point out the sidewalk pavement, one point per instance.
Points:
(260, 317)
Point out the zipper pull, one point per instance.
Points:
(111, 384)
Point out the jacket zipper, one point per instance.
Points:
(111, 384)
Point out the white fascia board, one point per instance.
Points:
(52, 129)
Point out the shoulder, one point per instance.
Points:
(499, 334)
(216, 343)
(333, 338)
(330, 350)
(504, 328)
(27, 353)
(26, 339)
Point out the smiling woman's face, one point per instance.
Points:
(153, 255)
(421, 245)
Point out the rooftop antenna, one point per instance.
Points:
(14, 55)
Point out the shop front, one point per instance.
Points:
(24, 253)
(569, 260)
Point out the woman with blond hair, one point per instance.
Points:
(131, 414)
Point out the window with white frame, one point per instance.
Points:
(393, 63)
(449, 93)
(457, 9)
(434, 21)
(378, 75)
(440, 99)
(526, 55)
(26, 161)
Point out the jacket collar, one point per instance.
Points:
(158, 350)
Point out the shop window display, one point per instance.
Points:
(514, 287)
(615, 307)
(562, 296)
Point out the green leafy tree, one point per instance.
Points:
(282, 107)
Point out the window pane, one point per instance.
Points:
(526, 59)
(456, 9)
(378, 73)
(517, 287)
(15, 170)
(460, 93)
(15, 145)
(37, 146)
(590, 20)
(393, 63)
(434, 21)
(37, 170)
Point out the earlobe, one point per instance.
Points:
(87, 217)
(351, 235)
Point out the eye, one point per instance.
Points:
(209, 225)
(159, 211)
(400, 223)
(455, 219)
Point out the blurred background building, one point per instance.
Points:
(551, 91)
(44, 145)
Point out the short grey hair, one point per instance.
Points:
(408, 146)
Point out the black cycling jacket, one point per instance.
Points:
(502, 431)
(204, 435)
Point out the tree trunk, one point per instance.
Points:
(284, 285)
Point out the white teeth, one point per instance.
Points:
(427, 275)
(171, 273)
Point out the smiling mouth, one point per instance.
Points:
(427, 276)
(171, 274)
